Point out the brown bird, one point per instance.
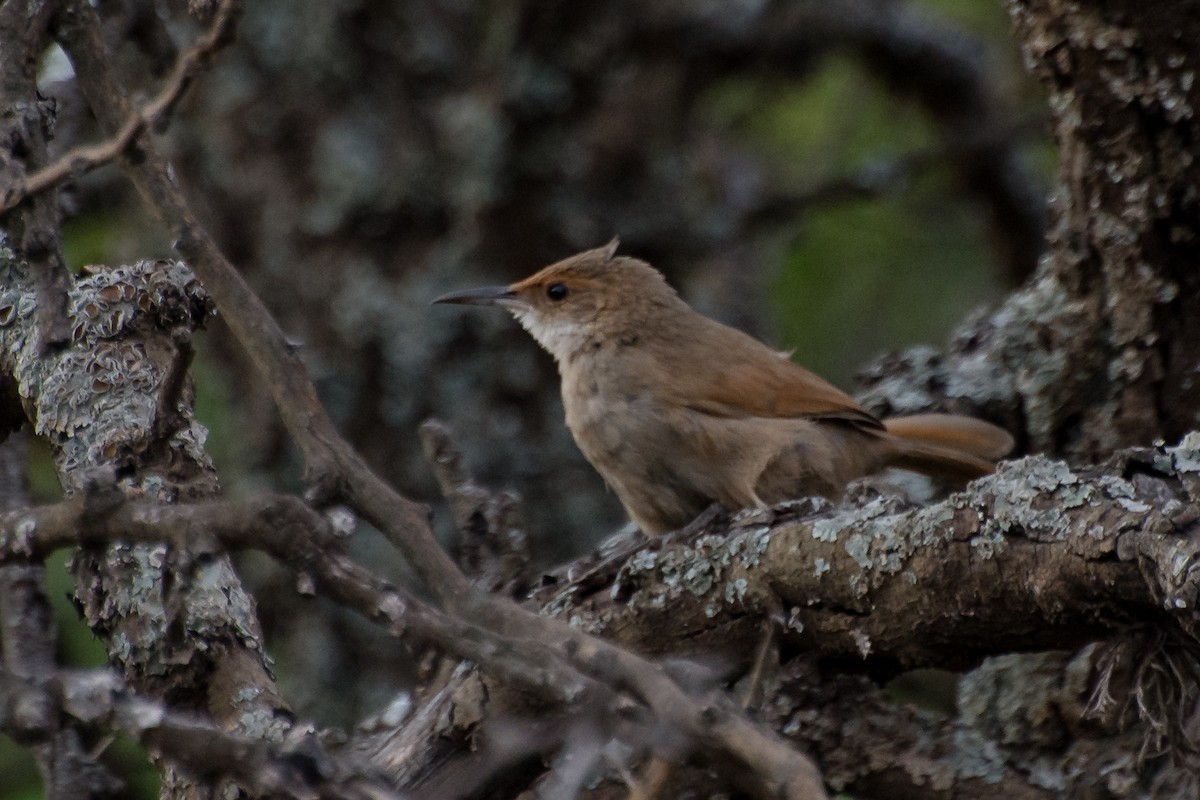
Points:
(678, 411)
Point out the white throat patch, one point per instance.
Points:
(559, 337)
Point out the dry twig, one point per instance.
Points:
(153, 115)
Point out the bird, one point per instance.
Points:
(678, 411)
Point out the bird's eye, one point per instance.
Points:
(556, 291)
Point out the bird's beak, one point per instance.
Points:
(483, 296)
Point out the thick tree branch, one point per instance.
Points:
(177, 626)
(1098, 350)
(1059, 557)
(24, 134)
(1037, 556)
(537, 656)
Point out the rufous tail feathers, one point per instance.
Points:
(948, 446)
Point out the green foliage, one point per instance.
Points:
(112, 235)
(863, 276)
(215, 410)
(985, 19)
(86, 239)
(877, 275)
(18, 777)
(823, 127)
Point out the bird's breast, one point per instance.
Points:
(605, 419)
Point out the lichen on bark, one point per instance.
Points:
(116, 407)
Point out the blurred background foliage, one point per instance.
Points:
(357, 158)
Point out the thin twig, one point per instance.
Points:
(153, 115)
(538, 653)
(298, 767)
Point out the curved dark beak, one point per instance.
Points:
(483, 296)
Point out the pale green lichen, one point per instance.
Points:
(23, 533)
(976, 756)
(1115, 487)
(858, 546)
(1041, 473)
(735, 590)
(754, 545)
(643, 560)
(699, 577)
(882, 542)
(826, 530)
(586, 624)
(1076, 496)
(1134, 506)
(988, 543)
(218, 604)
(1024, 498)
(928, 525)
(699, 569)
(565, 600)
(120, 646)
(115, 366)
(1186, 455)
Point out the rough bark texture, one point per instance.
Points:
(27, 644)
(1031, 558)
(116, 407)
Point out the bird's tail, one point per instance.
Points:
(947, 446)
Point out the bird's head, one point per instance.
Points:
(581, 299)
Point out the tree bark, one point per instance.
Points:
(1098, 351)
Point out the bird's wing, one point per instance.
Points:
(745, 378)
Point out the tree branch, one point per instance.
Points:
(154, 115)
(534, 655)
(24, 27)
(1037, 556)
(332, 468)
(1057, 558)
(297, 767)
